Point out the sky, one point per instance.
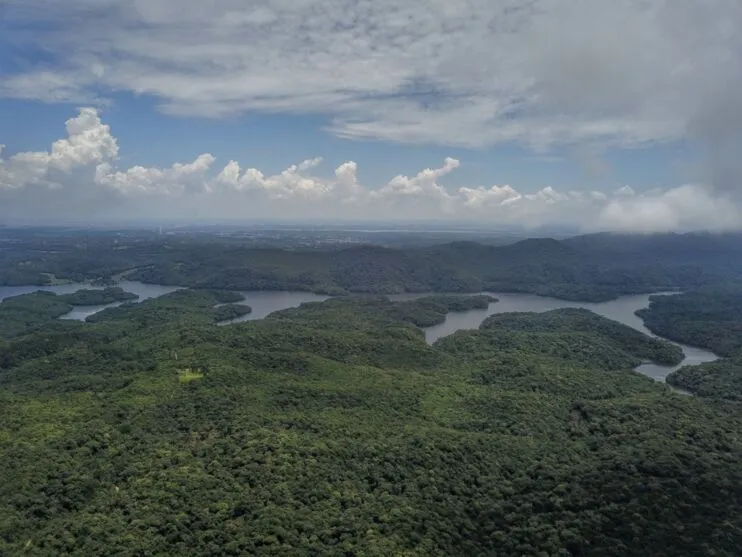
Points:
(622, 115)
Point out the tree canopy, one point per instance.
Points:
(335, 429)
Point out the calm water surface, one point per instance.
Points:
(145, 292)
(264, 303)
(621, 310)
(261, 302)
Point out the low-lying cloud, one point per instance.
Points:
(79, 178)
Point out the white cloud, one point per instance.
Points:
(424, 183)
(288, 184)
(538, 72)
(79, 178)
(140, 180)
(483, 197)
(88, 141)
(625, 191)
(688, 207)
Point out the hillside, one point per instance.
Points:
(711, 318)
(721, 379)
(587, 268)
(334, 429)
(573, 320)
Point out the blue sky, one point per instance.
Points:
(273, 142)
(511, 111)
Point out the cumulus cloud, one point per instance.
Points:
(79, 178)
(495, 195)
(291, 183)
(88, 142)
(425, 183)
(141, 180)
(537, 72)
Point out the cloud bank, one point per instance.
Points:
(79, 178)
(537, 72)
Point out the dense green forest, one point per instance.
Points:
(581, 321)
(588, 268)
(101, 297)
(720, 379)
(25, 313)
(335, 429)
(709, 317)
(186, 306)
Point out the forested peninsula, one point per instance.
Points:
(335, 429)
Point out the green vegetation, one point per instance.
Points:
(720, 379)
(228, 312)
(573, 320)
(27, 312)
(24, 313)
(457, 303)
(375, 311)
(187, 375)
(334, 429)
(575, 336)
(589, 268)
(225, 296)
(181, 306)
(709, 317)
(99, 297)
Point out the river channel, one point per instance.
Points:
(264, 303)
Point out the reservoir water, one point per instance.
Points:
(621, 310)
(264, 303)
(144, 291)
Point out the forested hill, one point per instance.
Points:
(709, 317)
(334, 429)
(587, 268)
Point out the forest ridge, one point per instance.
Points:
(585, 268)
(335, 429)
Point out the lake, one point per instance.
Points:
(264, 303)
(621, 310)
(145, 291)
